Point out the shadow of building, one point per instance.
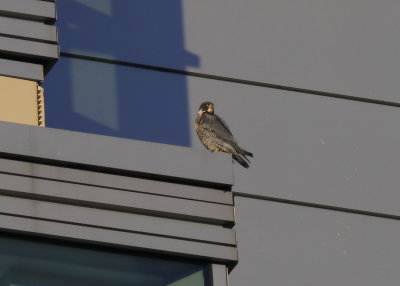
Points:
(93, 88)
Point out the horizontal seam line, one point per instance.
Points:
(118, 229)
(234, 80)
(318, 206)
(31, 16)
(30, 38)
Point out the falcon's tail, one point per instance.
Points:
(244, 153)
(247, 153)
(240, 160)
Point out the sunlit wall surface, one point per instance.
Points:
(31, 263)
(103, 92)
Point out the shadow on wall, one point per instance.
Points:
(113, 99)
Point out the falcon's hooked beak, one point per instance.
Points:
(210, 108)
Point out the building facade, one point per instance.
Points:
(118, 189)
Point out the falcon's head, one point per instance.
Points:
(206, 107)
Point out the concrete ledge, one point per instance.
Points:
(119, 239)
(31, 10)
(126, 222)
(21, 70)
(26, 49)
(115, 183)
(116, 200)
(116, 155)
(35, 31)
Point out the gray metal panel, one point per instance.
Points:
(334, 46)
(309, 148)
(32, 9)
(116, 153)
(21, 70)
(219, 275)
(28, 49)
(117, 200)
(161, 245)
(117, 182)
(342, 46)
(98, 218)
(287, 245)
(28, 29)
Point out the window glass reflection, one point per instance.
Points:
(93, 91)
(29, 263)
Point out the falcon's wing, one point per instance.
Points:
(217, 125)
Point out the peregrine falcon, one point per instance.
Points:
(215, 135)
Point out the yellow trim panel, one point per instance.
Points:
(21, 101)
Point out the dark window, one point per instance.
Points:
(31, 263)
